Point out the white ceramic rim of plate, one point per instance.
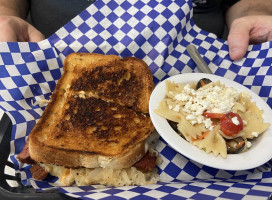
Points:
(258, 154)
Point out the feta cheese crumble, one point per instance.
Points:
(177, 107)
(235, 121)
(214, 99)
(255, 134)
(248, 144)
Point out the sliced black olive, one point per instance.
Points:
(235, 145)
(174, 126)
(202, 82)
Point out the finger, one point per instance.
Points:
(238, 38)
(34, 34)
(259, 35)
(7, 34)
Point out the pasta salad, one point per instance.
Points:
(212, 116)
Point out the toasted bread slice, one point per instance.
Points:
(97, 114)
(125, 81)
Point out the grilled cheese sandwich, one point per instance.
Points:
(97, 118)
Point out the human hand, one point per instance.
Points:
(247, 30)
(15, 29)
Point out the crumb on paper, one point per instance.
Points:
(41, 103)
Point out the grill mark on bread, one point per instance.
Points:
(103, 123)
(92, 79)
(113, 82)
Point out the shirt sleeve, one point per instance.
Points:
(211, 3)
(230, 2)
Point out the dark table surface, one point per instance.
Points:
(19, 191)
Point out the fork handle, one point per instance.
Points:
(193, 52)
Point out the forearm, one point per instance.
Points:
(248, 7)
(17, 8)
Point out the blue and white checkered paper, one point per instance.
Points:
(157, 32)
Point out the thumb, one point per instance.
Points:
(34, 35)
(238, 39)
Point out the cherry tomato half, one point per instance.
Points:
(228, 127)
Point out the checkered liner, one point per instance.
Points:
(157, 33)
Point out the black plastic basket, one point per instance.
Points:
(8, 191)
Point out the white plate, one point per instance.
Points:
(259, 153)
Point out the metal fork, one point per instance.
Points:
(265, 167)
(193, 52)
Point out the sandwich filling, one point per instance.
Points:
(141, 173)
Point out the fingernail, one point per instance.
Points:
(235, 53)
(235, 50)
